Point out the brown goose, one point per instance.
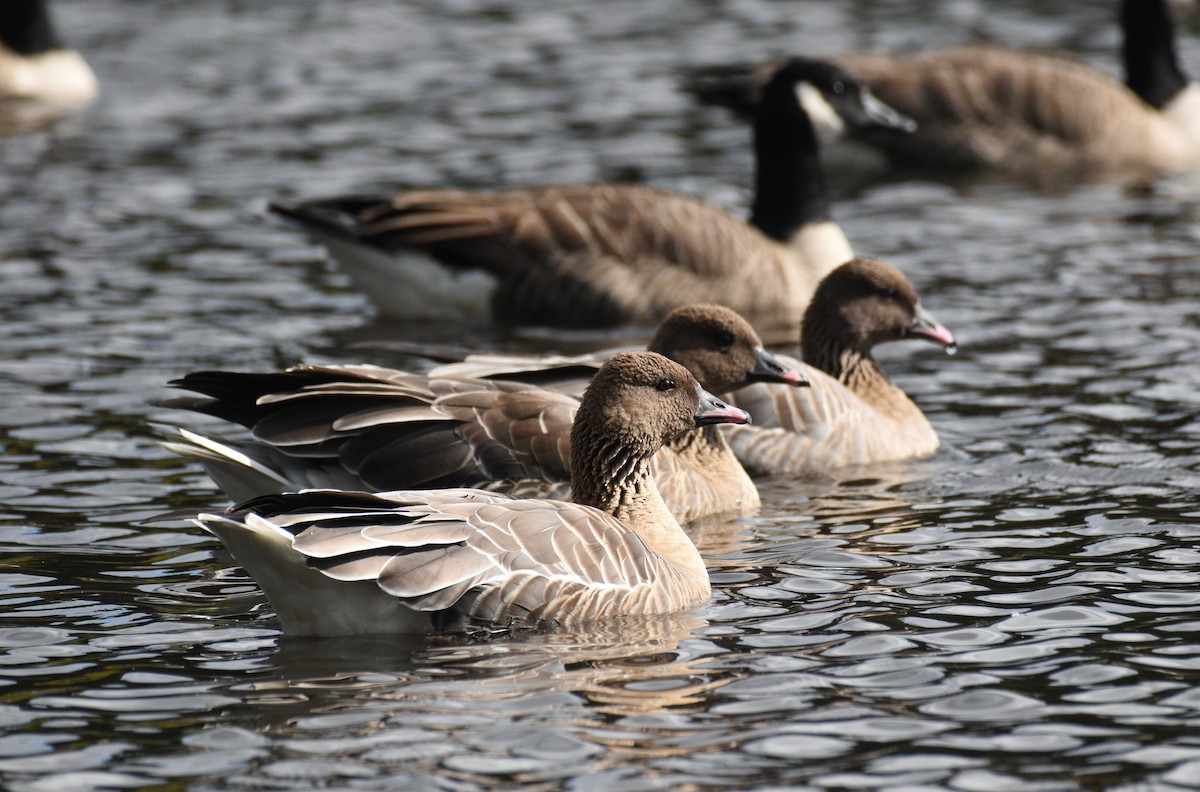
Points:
(34, 64)
(364, 427)
(852, 414)
(597, 255)
(1034, 116)
(337, 563)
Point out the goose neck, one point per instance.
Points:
(1152, 69)
(25, 27)
(700, 446)
(618, 480)
(790, 188)
(608, 476)
(851, 364)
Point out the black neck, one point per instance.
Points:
(1151, 66)
(789, 185)
(25, 27)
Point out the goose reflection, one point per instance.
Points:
(627, 666)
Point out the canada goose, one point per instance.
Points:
(852, 414)
(339, 563)
(599, 255)
(34, 64)
(364, 427)
(1034, 116)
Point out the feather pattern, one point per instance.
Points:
(382, 429)
(982, 107)
(606, 254)
(596, 254)
(471, 555)
(851, 414)
(827, 426)
(1037, 116)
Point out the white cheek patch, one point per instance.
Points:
(825, 120)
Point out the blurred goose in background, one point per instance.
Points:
(602, 255)
(340, 563)
(34, 64)
(1031, 115)
(365, 427)
(851, 414)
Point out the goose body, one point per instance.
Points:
(365, 427)
(599, 255)
(831, 427)
(335, 563)
(34, 64)
(851, 414)
(1032, 115)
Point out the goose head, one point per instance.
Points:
(832, 98)
(807, 103)
(634, 404)
(862, 303)
(719, 348)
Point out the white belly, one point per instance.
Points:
(411, 285)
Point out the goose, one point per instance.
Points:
(1037, 116)
(851, 414)
(34, 64)
(342, 563)
(606, 254)
(366, 427)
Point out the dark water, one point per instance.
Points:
(1019, 612)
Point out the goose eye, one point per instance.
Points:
(724, 339)
(665, 384)
(838, 86)
(890, 293)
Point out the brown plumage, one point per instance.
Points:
(1037, 116)
(364, 427)
(598, 255)
(345, 563)
(852, 414)
(993, 109)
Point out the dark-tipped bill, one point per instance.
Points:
(925, 326)
(767, 368)
(714, 411)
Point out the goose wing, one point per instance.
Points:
(976, 106)
(366, 427)
(388, 429)
(484, 556)
(799, 430)
(541, 224)
(583, 254)
(569, 374)
(989, 103)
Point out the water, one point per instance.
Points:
(1017, 612)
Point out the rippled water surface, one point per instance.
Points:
(1018, 612)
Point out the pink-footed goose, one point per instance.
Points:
(852, 414)
(338, 563)
(365, 427)
(34, 64)
(1032, 115)
(600, 255)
